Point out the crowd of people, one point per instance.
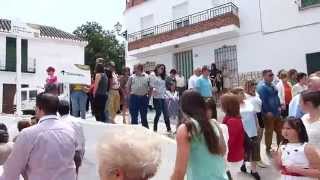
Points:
(52, 146)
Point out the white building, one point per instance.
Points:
(41, 47)
(246, 35)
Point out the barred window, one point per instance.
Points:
(307, 3)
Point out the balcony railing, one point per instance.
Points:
(185, 21)
(31, 67)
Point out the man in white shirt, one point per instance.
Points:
(193, 79)
(181, 83)
(46, 150)
(64, 110)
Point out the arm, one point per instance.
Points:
(280, 88)
(18, 159)
(276, 155)
(183, 152)
(96, 83)
(128, 85)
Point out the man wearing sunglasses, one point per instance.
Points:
(270, 108)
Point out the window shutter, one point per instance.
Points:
(11, 55)
(24, 55)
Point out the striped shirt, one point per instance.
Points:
(138, 85)
(159, 87)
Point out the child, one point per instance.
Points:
(172, 102)
(251, 140)
(296, 159)
(212, 115)
(231, 106)
(51, 79)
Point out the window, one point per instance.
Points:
(24, 55)
(33, 95)
(178, 13)
(308, 3)
(24, 95)
(11, 54)
(147, 23)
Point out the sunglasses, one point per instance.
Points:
(271, 75)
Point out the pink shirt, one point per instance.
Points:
(52, 80)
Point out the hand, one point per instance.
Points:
(283, 107)
(269, 115)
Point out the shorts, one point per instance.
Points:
(251, 149)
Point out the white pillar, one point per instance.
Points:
(18, 82)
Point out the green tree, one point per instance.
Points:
(101, 44)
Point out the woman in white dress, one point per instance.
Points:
(310, 103)
(296, 159)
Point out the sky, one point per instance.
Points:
(66, 15)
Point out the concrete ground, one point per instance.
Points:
(269, 173)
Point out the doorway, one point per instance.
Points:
(313, 62)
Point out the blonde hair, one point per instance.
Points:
(136, 152)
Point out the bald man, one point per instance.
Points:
(193, 79)
(313, 85)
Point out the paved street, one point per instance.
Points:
(269, 173)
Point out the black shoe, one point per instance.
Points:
(243, 168)
(255, 175)
(229, 175)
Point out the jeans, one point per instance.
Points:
(99, 107)
(79, 103)
(139, 104)
(161, 107)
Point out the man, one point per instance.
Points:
(193, 79)
(313, 85)
(138, 88)
(270, 108)
(203, 84)
(64, 111)
(114, 95)
(181, 83)
(46, 150)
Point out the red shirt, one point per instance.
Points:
(236, 138)
(287, 93)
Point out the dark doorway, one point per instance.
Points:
(9, 91)
(313, 62)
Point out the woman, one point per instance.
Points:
(254, 99)
(129, 154)
(310, 104)
(158, 86)
(251, 140)
(301, 84)
(292, 76)
(200, 143)
(284, 92)
(227, 78)
(296, 159)
(124, 94)
(5, 145)
(100, 93)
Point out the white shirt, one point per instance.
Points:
(44, 151)
(313, 130)
(76, 125)
(192, 81)
(180, 81)
(255, 101)
(297, 89)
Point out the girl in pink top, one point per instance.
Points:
(51, 79)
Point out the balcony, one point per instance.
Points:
(30, 68)
(207, 20)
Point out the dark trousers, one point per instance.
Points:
(181, 90)
(160, 107)
(100, 106)
(139, 104)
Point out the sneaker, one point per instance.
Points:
(243, 168)
(261, 164)
(255, 175)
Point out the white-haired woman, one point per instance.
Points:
(129, 155)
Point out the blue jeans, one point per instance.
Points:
(161, 107)
(139, 104)
(79, 102)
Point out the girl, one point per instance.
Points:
(212, 115)
(158, 84)
(200, 144)
(51, 79)
(251, 140)
(310, 103)
(296, 159)
(284, 92)
(231, 107)
(123, 93)
(172, 102)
